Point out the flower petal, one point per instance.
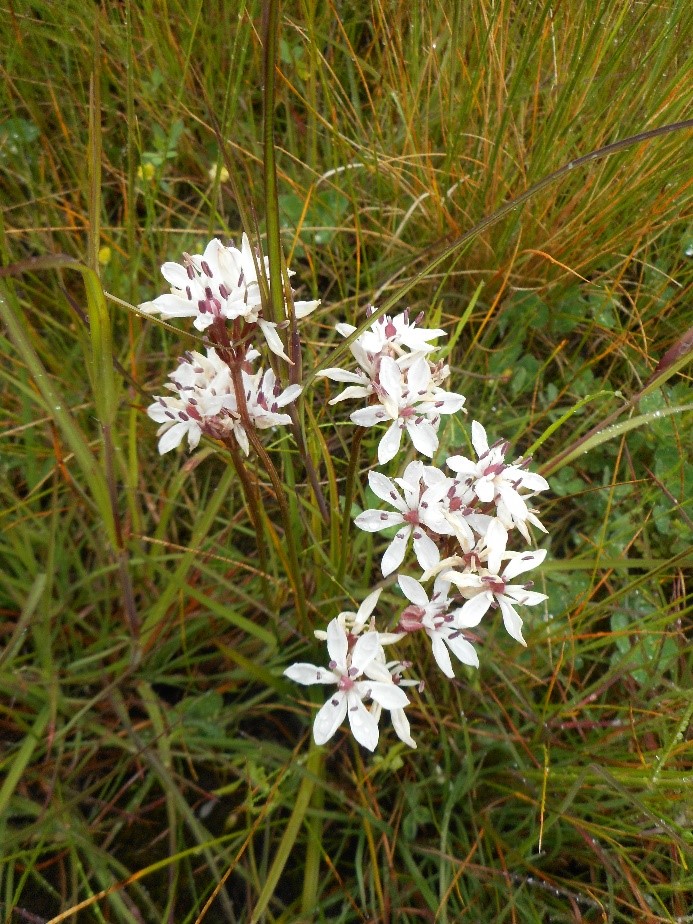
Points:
(366, 608)
(462, 649)
(496, 541)
(391, 378)
(400, 723)
(394, 554)
(365, 650)
(303, 309)
(412, 590)
(309, 674)
(384, 488)
(172, 437)
(374, 520)
(176, 275)
(369, 416)
(337, 643)
(363, 725)
(170, 306)
(419, 376)
(461, 465)
(288, 395)
(341, 375)
(426, 550)
(473, 611)
(479, 439)
(511, 619)
(390, 443)
(423, 436)
(273, 339)
(524, 597)
(440, 653)
(329, 717)
(523, 563)
(389, 695)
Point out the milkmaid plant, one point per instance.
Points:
(458, 525)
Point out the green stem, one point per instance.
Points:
(348, 499)
(295, 571)
(252, 503)
(256, 443)
(313, 824)
(270, 43)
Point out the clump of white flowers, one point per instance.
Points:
(457, 526)
(454, 520)
(395, 369)
(221, 290)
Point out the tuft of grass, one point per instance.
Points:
(169, 778)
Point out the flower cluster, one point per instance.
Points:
(401, 383)
(454, 520)
(352, 656)
(205, 402)
(222, 291)
(457, 521)
(222, 283)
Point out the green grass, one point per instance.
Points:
(149, 746)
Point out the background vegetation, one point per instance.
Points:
(149, 745)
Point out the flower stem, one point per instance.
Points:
(270, 44)
(348, 498)
(308, 462)
(252, 503)
(294, 570)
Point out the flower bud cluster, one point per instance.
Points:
(456, 520)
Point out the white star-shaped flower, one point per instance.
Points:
(354, 623)
(410, 399)
(220, 283)
(346, 666)
(492, 480)
(205, 402)
(435, 618)
(486, 588)
(416, 510)
(394, 336)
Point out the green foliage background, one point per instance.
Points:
(555, 783)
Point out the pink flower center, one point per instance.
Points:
(496, 586)
(410, 620)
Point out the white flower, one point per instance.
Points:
(486, 588)
(416, 509)
(205, 402)
(400, 722)
(440, 625)
(354, 623)
(220, 283)
(345, 667)
(394, 367)
(264, 397)
(492, 480)
(388, 336)
(411, 400)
